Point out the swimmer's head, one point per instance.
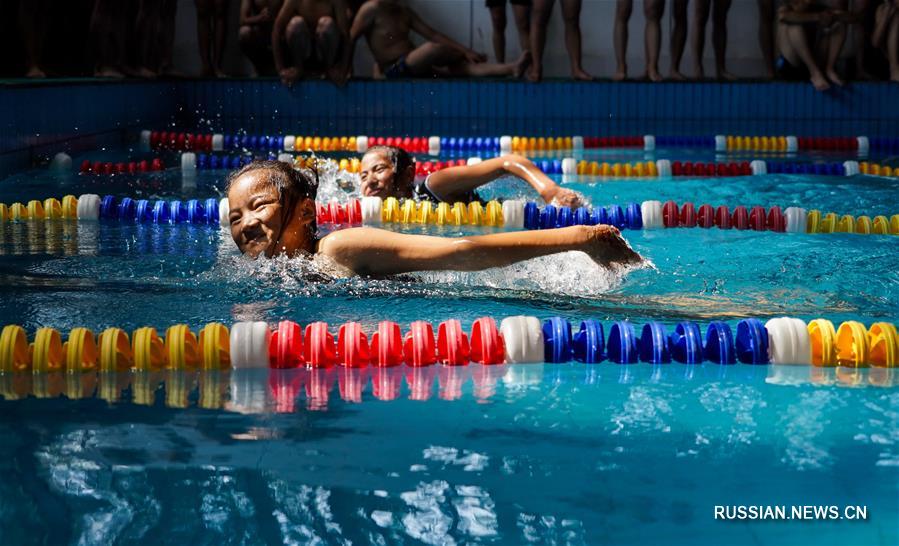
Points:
(272, 209)
(387, 171)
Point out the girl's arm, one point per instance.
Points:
(448, 184)
(369, 251)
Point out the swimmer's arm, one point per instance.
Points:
(449, 184)
(369, 251)
(429, 33)
(361, 24)
(278, 29)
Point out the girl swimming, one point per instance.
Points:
(272, 212)
(387, 171)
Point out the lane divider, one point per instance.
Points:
(518, 339)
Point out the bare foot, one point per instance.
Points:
(820, 82)
(580, 74)
(522, 64)
(607, 247)
(219, 73)
(834, 77)
(726, 76)
(35, 72)
(535, 73)
(653, 75)
(620, 74)
(894, 75)
(677, 76)
(108, 72)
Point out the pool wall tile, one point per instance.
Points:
(40, 119)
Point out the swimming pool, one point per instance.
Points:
(510, 453)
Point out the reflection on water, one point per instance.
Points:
(544, 454)
(285, 391)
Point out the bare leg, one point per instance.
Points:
(221, 23)
(623, 9)
(678, 38)
(299, 42)
(719, 38)
(766, 35)
(795, 49)
(523, 24)
(892, 46)
(33, 19)
(539, 22)
(835, 41)
(167, 36)
(147, 27)
(498, 18)
(430, 58)
(104, 39)
(859, 7)
(204, 15)
(571, 14)
(697, 41)
(251, 40)
(652, 38)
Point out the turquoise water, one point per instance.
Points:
(505, 455)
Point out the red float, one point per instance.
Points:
(688, 215)
(487, 346)
(670, 214)
(740, 218)
(387, 345)
(452, 343)
(722, 217)
(285, 349)
(705, 217)
(776, 220)
(319, 350)
(352, 346)
(418, 345)
(757, 219)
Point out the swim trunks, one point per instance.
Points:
(399, 69)
(789, 72)
(421, 191)
(501, 3)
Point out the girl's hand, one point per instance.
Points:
(562, 197)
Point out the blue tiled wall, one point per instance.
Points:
(470, 108)
(42, 117)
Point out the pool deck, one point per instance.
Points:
(41, 118)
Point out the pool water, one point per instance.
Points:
(556, 454)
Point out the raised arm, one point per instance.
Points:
(369, 251)
(449, 184)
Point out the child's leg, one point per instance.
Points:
(498, 19)
(204, 33)
(299, 42)
(221, 24)
(697, 41)
(539, 22)
(795, 48)
(166, 37)
(571, 14)
(623, 9)
(859, 7)
(522, 15)
(33, 15)
(327, 41)
(766, 34)
(835, 40)
(652, 36)
(250, 38)
(892, 45)
(678, 38)
(719, 38)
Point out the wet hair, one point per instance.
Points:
(288, 181)
(400, 158)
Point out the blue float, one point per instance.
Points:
(622, 346)
(126, 209)
(548, 217)
(195, 214)
(589, 342)
(719, 344)
(752, 342)
(564, 217)
(600, 216)
(685, 343)
(556, 340)
(634, 216)
(582, 217)
(161, 214)
(616, 216)
(654, 344)
(108, 207)
(143, 212)
(531, 216)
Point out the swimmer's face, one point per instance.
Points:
(378, 175)
(257, 217)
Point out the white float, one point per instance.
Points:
(513, 214)
(523, 337)
(795, 219)
(788, 341)
(651, 211)
(371, 210)
(88, 207)
(249, 344)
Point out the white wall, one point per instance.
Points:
(468, 21)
